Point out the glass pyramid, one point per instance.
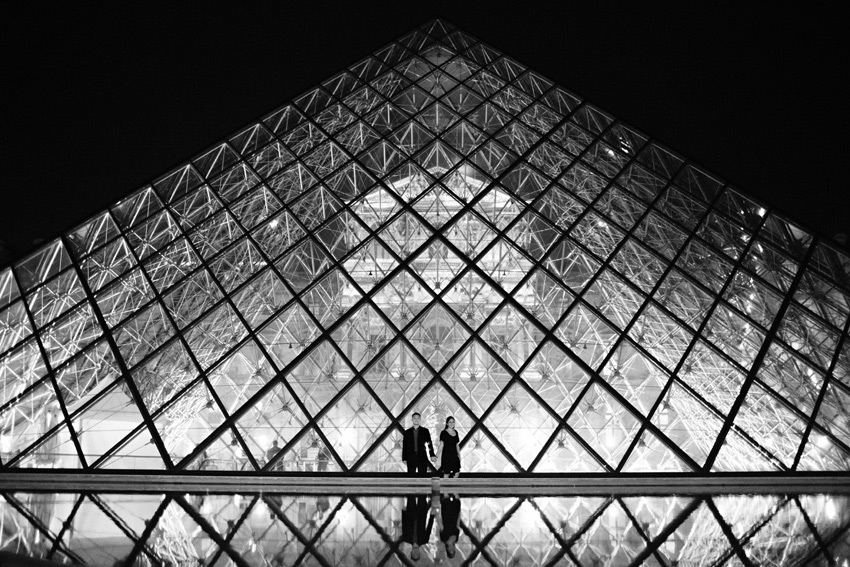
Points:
(435, 229)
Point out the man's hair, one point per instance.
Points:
(416, 413)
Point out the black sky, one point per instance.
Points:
(99, 103)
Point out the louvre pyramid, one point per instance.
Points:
(435, 229)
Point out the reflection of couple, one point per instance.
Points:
(416, 525)
(417, 446)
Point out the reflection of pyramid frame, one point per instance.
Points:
(435, 229)
(278, 529)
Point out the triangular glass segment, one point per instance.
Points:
(435, 228)
(521, 424)
(650, 455)
(320, 375)
(437, 335)
(604, 424)
(482, 454)
(567, 455)
(308, 453)
(353, 423)
(477, 377)
(557, 377)
(271, 422)
(397, 376)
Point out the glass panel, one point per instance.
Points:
(262, 297)
(652, 455)
(684, 298)
(688, 423)
(42, 265)
(14, 325)
(124, 298)
(91, 235)
(734, 335)
(70, 334)
(661, 336)
(511, 336)
(24, 422)
(353, 423)
(520, 424)
(213, 335)
(87, 376)
(270, 423)
(604, 424)
(791, 378)
(288, 334)
(586, 335)
(808, 336)
(477, 377)
(566, 454)
(19, 369)
(164, 375)
(771, 424)
(611, 295)
(240, 376)
(437, 335)
(189, 420)
(634, 377)
(318, 378)
(101, 427)
(142, 334)
(712, 376)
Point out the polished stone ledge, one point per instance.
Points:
(67, 481)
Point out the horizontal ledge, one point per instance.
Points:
(381, 484)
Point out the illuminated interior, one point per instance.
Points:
(435, 229)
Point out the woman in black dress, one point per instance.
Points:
(448, 451)
(449, 523)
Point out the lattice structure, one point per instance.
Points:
(269, 529)
(434, 229)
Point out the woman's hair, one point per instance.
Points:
(446, 426)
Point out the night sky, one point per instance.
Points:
(100, 103)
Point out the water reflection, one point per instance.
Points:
(425, 529)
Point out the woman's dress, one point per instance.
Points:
(450, 462)
(450, 514)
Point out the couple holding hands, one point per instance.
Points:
(414, 454)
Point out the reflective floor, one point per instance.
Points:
(428, 529)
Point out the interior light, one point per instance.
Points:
(829, 509)
(610, 438)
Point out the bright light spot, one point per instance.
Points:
(830, 509)
(761, 211)
(610, 439)
(274, 223)
(821, 441)
(610, 152)
(348, 436)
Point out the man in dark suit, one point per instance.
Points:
(415, 525)
(413, 448)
